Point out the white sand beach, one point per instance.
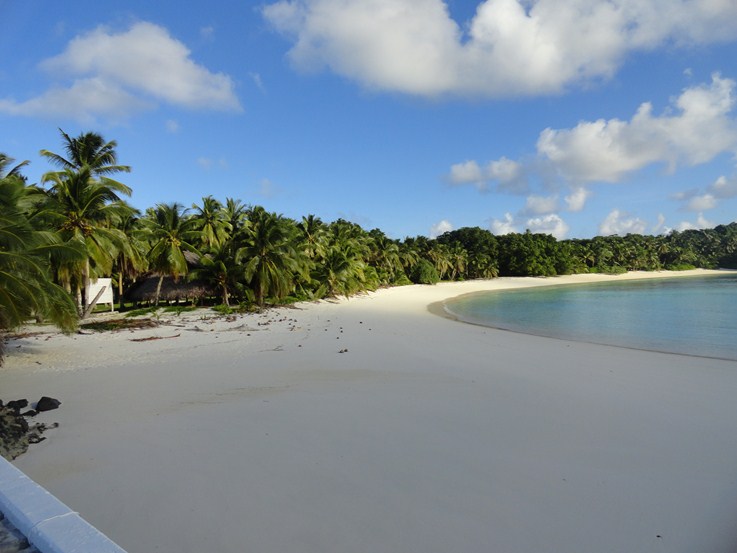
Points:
(425, 435)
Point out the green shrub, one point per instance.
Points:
(402, 280)
(142, 311)
(179, 309)
(424, 273)
(608, 269)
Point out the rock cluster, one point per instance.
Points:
(16, 434)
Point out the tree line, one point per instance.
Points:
(77, 225)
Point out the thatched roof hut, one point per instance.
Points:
(171, 290)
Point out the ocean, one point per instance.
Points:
(689, 315)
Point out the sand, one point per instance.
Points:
(424, 435)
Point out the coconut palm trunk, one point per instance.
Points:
(158, 290)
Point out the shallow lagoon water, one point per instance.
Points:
(693, 316)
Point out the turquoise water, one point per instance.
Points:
(690, 315)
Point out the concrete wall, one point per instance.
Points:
(48, 524)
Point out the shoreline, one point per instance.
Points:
(439, 308)
(371, 424)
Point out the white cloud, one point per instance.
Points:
(701, 203)
(546, 224)
(608, 150)
(440, 228)
(549, 224)
(508, 174)
(621, 223)
(538, 205)
(172, 126)
(724, 188)
(509, 47)
(468, 172)
(504, 226)
(660, 227)
(82, 101)
(116, 74)
(576, 200)
(701, 223)
(697, 127)
(699, 200)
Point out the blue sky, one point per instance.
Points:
(571, 117)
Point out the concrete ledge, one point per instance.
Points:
(46, 522)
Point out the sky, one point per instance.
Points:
(574, 118)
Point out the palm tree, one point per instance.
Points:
(85, 210)
(5, 162)
(171, 233)
(458, 261)
(26, 285)
(314, 236)
(219, 269)
(131, 261)
(440, 256)
(384, 257)
(235, 214)
(86, 204)
(210, 221)
(88, 150)
(271, 262)
(343, 272)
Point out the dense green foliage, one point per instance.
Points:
(75, 226)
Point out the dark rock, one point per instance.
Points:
(29, 413)
(47, 404)
(16, 434)
(18, 404)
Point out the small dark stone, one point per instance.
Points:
(47, 404)
(30, 413)
(34, 438)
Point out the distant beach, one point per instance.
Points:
(370, 424)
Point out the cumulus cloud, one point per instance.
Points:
(503, 226)
(468, 172)
(724, 188)
(700, 223)
(660, 227)
(538, 205)
(549, 224)
(697, 127)
(701, 203)
(546, 224)
(698, 200)
(504, 172)
(440, 228)
(82, 101)
(694, 131)
(618, 222)
(576, 200)
(116, 74)
(509, 47)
